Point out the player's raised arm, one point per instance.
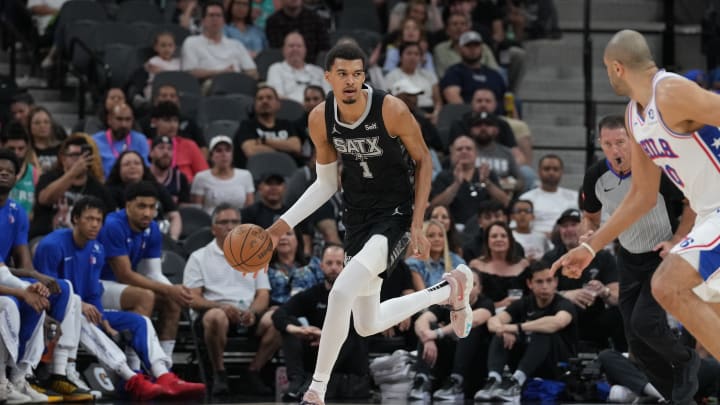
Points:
(324, 186)
(640, 199)
(400, 122)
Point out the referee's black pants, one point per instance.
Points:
(650, 341)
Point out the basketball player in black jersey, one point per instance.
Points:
(668, 362)
(386, 173)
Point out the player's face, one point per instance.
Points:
(89, 223)
(441, 215)
(332, 263)
(346, 78)
(614, 71)
(7, 176)
(569, 233)
(498, 239)
(615, 145)
(436, 236)
(141, 211)
(224, 222)
(543, 285)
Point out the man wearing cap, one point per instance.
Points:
(462, 79)
(484, 130)
(174, 181)
(447, 53)
(270, 206)
(595, 294)
(265, 132)
(223, 183)
(408, 92)
(186, 156)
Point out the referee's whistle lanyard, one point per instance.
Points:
(111, 143)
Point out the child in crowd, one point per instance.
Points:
(164, 59)
(535, 244)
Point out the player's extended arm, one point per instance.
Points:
(400, 122)
(322, 188)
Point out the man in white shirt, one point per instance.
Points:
(211, 53)
(550, 200)
(291, 76)
(226, 301)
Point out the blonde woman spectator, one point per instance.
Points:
(427, 15)
(442, 260)
(222, 183)
(410, 32)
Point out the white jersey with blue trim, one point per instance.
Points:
(690, 160)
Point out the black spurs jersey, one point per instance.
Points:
(377, 171)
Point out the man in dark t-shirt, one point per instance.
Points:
(268, 208)
(58, 190)
(535, 332)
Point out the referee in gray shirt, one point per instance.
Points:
(642, 247)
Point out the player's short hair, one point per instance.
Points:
(87, 202)
(611, 122)
(141, 189)
(347, 51)
(537, 267)
(7, 154)
(224, 207)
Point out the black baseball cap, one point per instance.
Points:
(572, 214)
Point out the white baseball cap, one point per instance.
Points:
(220, 139)
(405, 86)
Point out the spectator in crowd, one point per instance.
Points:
(96, 167)
(59, 188)
(462, 79)
(132, 277)
(536, 19)
(224, 299)
(535, 244)
(264, 132)
(441, 213)
(45, 142)
(185, 15)
(291, 76)
(163, 60)
(312, 96)
(285, 270)
(447, 53)
(120, 137)
(463, 186)
(23, 192)
(484, 130)
(187, 127)
(550, 200)
(44, 14)
(38, 292)
(501, 266)
(375, 75)
(513, 133)
(468, 359)
(409, 68)
(410, 32)
(300, 339)
(488, 211)
(427, 15)
(441, 260)
(239, 16)
(595, 293)
(222, 183)
(211, 53)
(534, 333)
(99, 122)
(168, 176)
(20, 105)
(100, 329)
(292, 16)
(269, 206)
(130, 169)
(187, 157)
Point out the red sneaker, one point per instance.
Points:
(141, 388)
(174, 386)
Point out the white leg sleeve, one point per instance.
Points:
(9, 327)
(101, 346)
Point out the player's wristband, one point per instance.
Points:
(589, 248)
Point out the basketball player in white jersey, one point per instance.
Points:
(674, 124)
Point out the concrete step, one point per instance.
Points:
(67, 120)
(565, 89)
(565, 114)
(43, 95)
(554, 135)
(611, 10)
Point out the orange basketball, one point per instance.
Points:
(248, 248)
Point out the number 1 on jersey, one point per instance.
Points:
(366, 170)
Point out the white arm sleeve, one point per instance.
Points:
(316, 195)
(152, 269)
(9, 280)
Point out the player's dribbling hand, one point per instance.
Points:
(419, 245)
(573, 262)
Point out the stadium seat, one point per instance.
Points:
(449, 114)
(265, 58)
(122, 61)
(183, 81)
(232, 83)
(173, 266)
(220, 127)
(233, 108)
(271, 162)
(197, 240)
(290, 110)
(193, 218)
(139, 10)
